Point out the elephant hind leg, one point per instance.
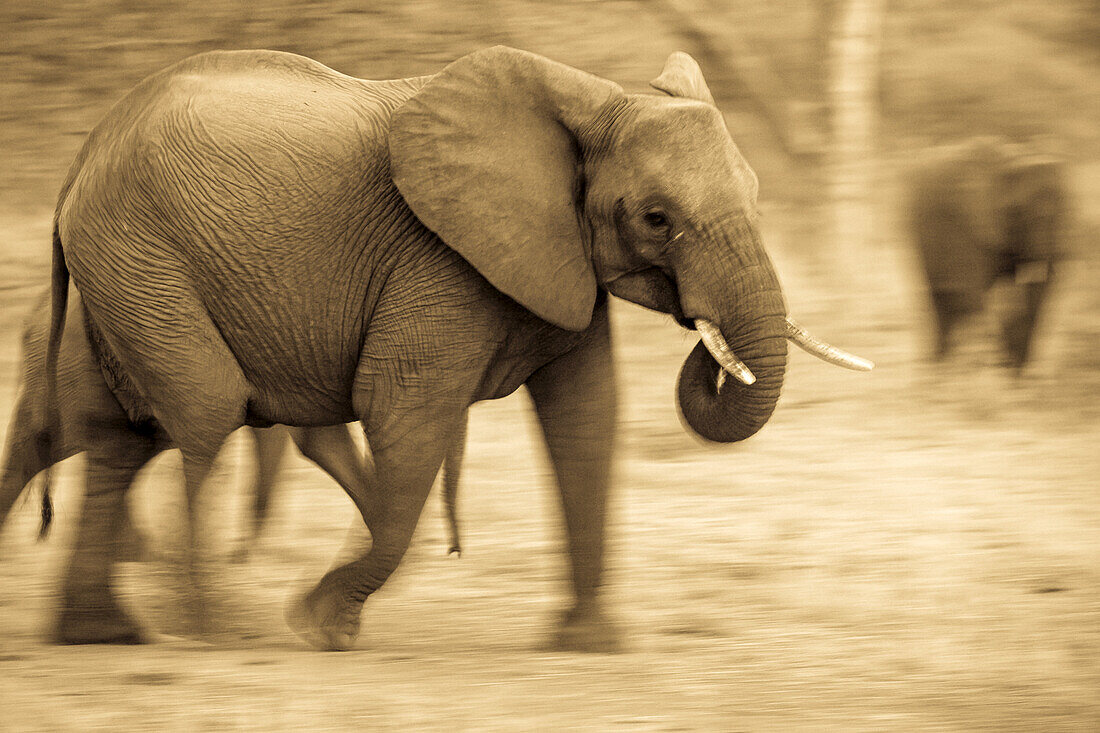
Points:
(198, 420)
(159, 332)
(90, 613)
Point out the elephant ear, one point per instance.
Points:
(682, 77)
(486, 155)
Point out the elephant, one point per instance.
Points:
(332, 449)
(986, 211)
(259, 239)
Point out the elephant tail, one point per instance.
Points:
(450, 495)
(59, 303)
(452, 472)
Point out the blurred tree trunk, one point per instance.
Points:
(854, 33)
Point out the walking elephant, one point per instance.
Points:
(332, 448)
(259, 239)
(985, 211)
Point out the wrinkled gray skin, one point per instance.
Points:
(78, 377)
(259, 239)
(83, 399)
(985, 211)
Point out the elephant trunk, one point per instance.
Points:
(754, 329)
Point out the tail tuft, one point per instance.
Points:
(59, 299)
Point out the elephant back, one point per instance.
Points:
(950, 217)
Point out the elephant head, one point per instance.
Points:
(554, 183)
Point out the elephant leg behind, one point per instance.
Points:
(29, 448)
(270, 447)
(25, 451)
(332, 449)
(92, 421)
(115, 452)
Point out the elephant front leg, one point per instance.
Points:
(1018, 324)
(404, 471)
(951, 309)
(574, 398)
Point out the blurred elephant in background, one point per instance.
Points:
(331, 448)
(984, 211)
(259, 239)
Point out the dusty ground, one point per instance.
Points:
(894, 551)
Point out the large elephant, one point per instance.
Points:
(982, 211)
(331, 448)
(259, 239)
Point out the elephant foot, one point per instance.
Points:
(586, 629)
(324, 621)
(102, 622)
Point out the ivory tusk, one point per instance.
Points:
(802, 338)
(720, 350)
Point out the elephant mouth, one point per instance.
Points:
(730, 365)
(654, 288)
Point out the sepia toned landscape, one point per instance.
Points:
(914, 548)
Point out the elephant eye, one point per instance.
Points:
(655, 219)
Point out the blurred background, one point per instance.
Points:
(915, 548)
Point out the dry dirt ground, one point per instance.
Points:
(902, 550)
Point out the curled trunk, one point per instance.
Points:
(735, 411)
